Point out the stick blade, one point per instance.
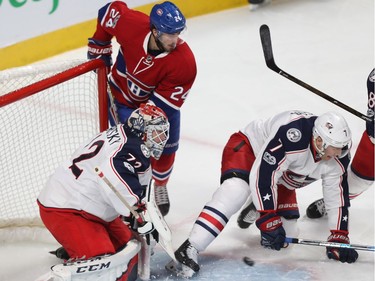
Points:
(265, 37)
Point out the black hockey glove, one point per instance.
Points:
(271, 230)
(102, 50)
(341, 254)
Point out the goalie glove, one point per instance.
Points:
(341, 254)
(271, 230)
(99, 49)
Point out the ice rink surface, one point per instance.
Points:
(328, 44)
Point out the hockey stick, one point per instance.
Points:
(118, 194)
(165, 235)
(329, 244)
(265, 38)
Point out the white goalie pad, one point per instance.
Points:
(154, 215)
(120, 266)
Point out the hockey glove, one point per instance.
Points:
(341, 254)
(271, 230)
(102, 50)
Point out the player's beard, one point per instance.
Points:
(164, 47)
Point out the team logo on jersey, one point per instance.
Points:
(146, 152)
(294, 135)
(129, 167)
(269, 158)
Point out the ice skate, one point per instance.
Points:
(256, 4)
(162, 199)
(187, 255)
(247, 216)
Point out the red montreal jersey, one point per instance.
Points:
(138, 75)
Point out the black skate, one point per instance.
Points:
(187, 255)
(162, 199)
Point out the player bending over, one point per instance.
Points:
(269, 160)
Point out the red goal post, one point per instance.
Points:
(46, 111)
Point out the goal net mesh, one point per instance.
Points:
(41, 130)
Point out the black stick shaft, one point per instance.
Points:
(265, 37)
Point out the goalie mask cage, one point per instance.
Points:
(46, 111)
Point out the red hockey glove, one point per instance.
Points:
(341, 254)
(100, 49)
(271, 230)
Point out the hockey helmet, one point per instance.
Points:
(333, 129)
(167, 18)
(151, 124)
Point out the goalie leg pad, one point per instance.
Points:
(121, 266)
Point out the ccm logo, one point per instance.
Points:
(94, 267)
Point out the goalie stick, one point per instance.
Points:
(265, 37)
(329, 244)
(153, 212)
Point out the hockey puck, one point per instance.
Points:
(248, 261)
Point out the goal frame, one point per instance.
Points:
(97, 65)
(26, 229)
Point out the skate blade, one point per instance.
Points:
(179, 269)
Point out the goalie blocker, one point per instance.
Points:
(121, 266)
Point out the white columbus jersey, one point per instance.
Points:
(285, 155)
(124, 160)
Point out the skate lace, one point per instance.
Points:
(161, 195)
(192, 253)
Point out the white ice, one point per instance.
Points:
(329, 44)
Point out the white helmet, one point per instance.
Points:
(151, 124)
(334, 131)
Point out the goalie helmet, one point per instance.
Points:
(167, 18)
(150, 123)
(333, 129)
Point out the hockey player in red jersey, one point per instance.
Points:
(268, 160)
(361, 170)
(153, 65)
(81, 210)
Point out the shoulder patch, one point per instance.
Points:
(294, 135)
(146, 152)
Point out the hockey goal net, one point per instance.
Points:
(46, 111)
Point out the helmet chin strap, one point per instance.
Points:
(319, 151)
